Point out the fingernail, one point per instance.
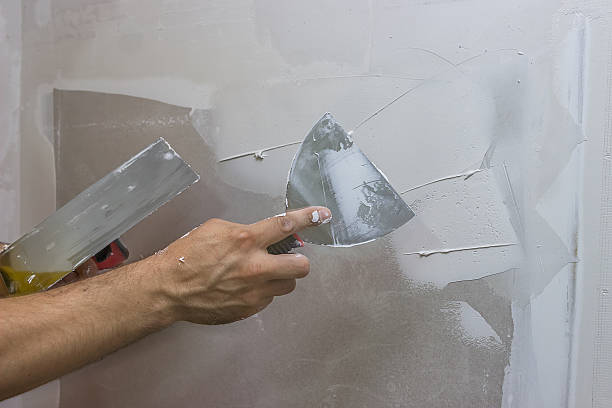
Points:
(325, 216)
(320, 216)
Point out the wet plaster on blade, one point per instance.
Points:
(374, 316)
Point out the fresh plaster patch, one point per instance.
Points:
(471, 326)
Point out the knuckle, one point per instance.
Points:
(284, 223)
(255, 269)
(213, 222)
(243, 236)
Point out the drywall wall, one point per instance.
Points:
(475, 110)
(10, 171)
(289, 355)
(10, 72)
(592, 346)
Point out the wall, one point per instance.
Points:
(10, 67)
(486, 140)
(10, 73)
(10, 174)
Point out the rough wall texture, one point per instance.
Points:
(484, 137)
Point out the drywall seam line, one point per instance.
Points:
(258, 154)
(466, 174)
(449, 250)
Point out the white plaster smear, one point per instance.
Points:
(449, 250)
(473, 328)
(259, 153)
(563, 218)
(457, 217)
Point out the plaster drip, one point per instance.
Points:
(466, 174)
(258, 154)
(449, 250)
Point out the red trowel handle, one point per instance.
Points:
(286, 245)
(111, 256)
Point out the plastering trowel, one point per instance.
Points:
(94, 219)
(330, 170)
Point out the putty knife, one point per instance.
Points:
(93, 219)
(330, 170)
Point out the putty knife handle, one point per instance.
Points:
(286, 245)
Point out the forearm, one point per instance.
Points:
(46, 335)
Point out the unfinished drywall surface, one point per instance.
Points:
(287, 355)
(473, 109)
(10, 71)
(10, 149)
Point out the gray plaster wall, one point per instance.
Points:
(355, 333)
(10, 74)
(485, 136)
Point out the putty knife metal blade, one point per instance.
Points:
(329, 169)
(94, 218)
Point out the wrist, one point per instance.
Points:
(154, 275)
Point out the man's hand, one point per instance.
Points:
(221, 272)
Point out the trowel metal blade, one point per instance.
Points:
(329, 169)
(95, 218)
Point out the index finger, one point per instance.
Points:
(272, 230)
